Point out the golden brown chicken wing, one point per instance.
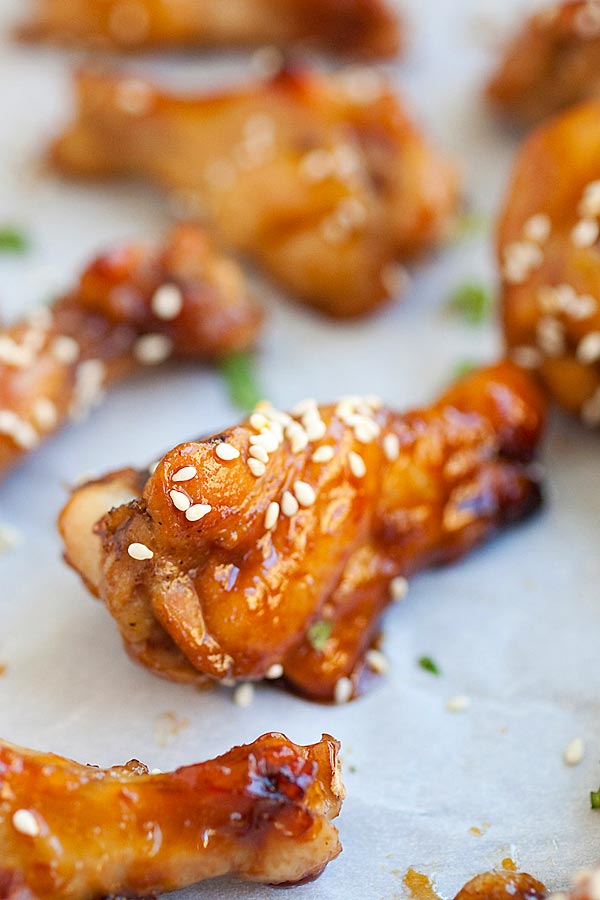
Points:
(551, 63)
(135, 306)
(549, 253)
(361, 27)
(261, 812)
(501, 885)
(320, 178)
(273, 548)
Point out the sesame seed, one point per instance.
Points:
(526, 357)
(22, 432)
(258, 421)
(323, 454)
(391, 447)
(268, 440)
(575, 752)
(152, 349)
(317, 165)
(271, 515)
(259, 453)
(343, 690)
(243, 695)
(13, 354)
(297, 437)
(65, 349)
(585, 234)
(537, 228)
(305, 493)
(25, 823)
(398, 588)
(588, 349)
(332, 231)
(357, 464)
(376, 661)
(167, 302)
(226, 452)
(134, 97)
(180, 500)
(275, 671)
(550, 336)
(581, 307)
(460, 703)
(185, 474)
(315, 428)
(590, 203)
(257, 467)
(520, 259)
(366, 430)
(139, 551)
(197, 512)
(45, 414)
(289, 504)
(361, 84)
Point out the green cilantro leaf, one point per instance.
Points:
(239, 372)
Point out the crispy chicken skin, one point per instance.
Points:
(261, 812)
(366, 28)
(551, 63)
(550, 259)
(237, 545)
(322, 179)
(134, 306)
(501, 885)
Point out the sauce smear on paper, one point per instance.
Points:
(420, 886)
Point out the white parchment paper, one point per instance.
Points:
(516, 626)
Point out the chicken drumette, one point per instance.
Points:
(549, 254)
(261, 812)
(366, 28)
(551, 63)
(322, 179)
(135, 306)
(273, 548)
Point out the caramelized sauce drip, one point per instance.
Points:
(420, 886)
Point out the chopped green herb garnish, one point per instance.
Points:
(239, 372)
(471, 224)
(319, 633)
(463, 368)
(427, 663)
(13, 240)
(595, 799)
(473, 302)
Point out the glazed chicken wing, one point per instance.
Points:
(261, 812)
(272, 549)
(322, 179)
(553, 62)
(549, 255)
(135, 306)
(501, 885)
(361, 27)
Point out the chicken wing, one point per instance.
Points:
(365, 28)
(135, 306)
(272, 549)
(322, 179)
(551, 63)
(500, 885)
(549, 256)
(261, 812)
